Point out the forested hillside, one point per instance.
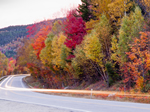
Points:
(11, 37)
(11, 33)
(101, 41)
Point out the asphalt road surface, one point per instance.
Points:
(16, 97)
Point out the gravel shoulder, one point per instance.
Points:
(11, 106)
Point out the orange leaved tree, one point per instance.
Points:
(41, 36)
(138, 62)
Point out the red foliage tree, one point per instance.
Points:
(74, 28)
(31, 30)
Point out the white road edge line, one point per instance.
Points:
(6, 85)
(22, 83)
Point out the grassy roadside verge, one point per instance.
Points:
(107, 95)
(32, 83)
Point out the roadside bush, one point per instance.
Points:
(113, 76)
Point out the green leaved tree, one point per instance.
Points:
(46, 53)
(130, 28)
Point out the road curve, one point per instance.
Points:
(13, 89)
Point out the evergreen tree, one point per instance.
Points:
(124, 38)
(137, 22)
(84, 10)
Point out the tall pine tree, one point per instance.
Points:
(84, 10)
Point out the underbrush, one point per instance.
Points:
(100, 91)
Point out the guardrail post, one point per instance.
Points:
(91, 93)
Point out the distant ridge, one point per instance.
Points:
(13, 34)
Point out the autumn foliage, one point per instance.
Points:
(139, 64)
(112, 45)
(31, 30)
(40, 37)
(74, 29)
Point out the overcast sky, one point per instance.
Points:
(20, 12)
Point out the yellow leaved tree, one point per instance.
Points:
(3, 64)
(46, 53)
(117, 9)
(57, 44)
(93, 52)
(146, 4)
(98, 8)
(57, 27)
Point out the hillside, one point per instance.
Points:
(12, 33)
(10, 37)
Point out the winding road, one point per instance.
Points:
(14, 90)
